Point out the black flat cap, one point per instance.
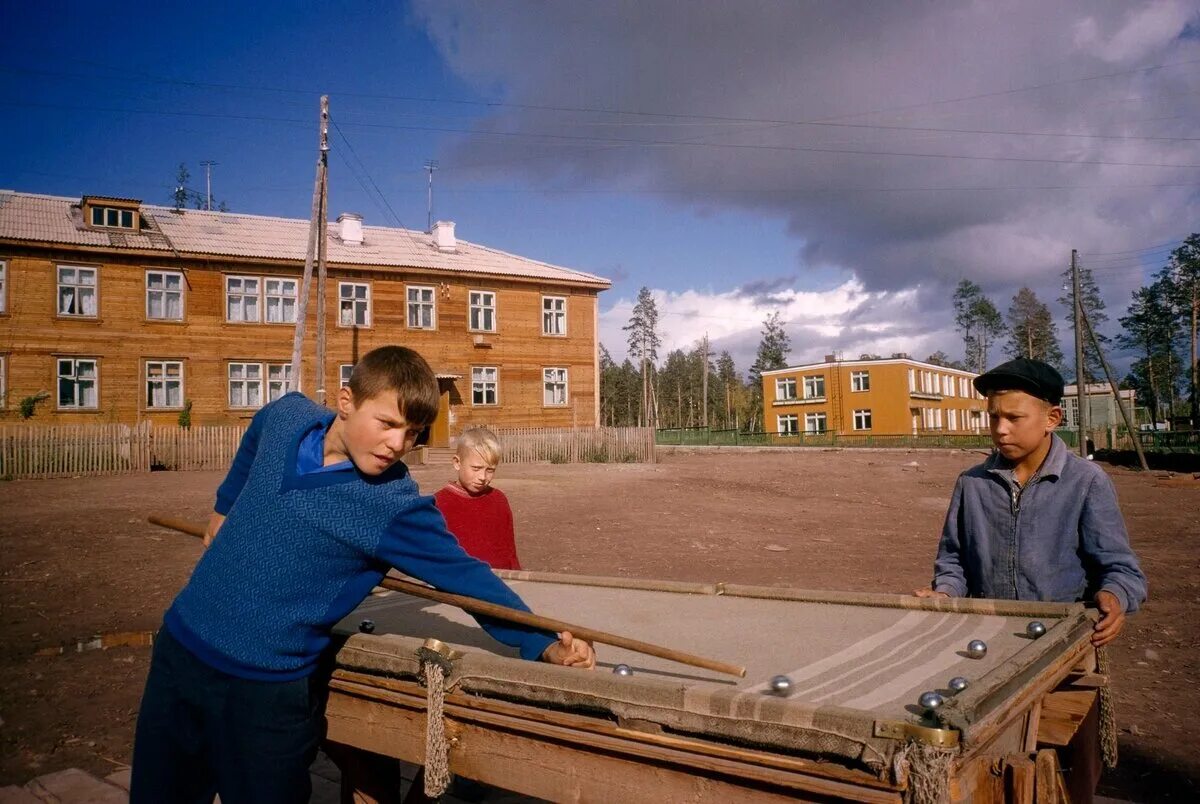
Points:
(1031, 376)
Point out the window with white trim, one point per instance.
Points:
(785, 388)
(280, 300)
(3, 378)
(3, 286)
(952, 419)
(862, 419)
(912, 380)
(483, 310)
(164, 295)
(814, 386)
(860, 381)
(484, 385)
(164, 384)
(245, 385)
(241, 299)
(279, 380)
(344, 372)
(554, 387)
(112, 217)
(554, 315)
(814, 422)
(354, 304)
(421, 312)
(78, 380)
(787, 424)
(76, 291)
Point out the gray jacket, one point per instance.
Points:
(1060, 537)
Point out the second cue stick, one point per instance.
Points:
(507, 614)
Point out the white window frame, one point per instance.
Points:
(246, 382)
(912, 381)
(76, 289)
(862, 419)
(357, 303)
(781, 388)
(162, 380)
(344, 372)
(279, 380)
(3, 287)
(74, 375)
(787, 424)
(860, 381)
(281, 298)
(554, 383)
(484, 379)
(482, 302)
(116, 214)
(244, 295)
(952, 419)
(165, 292)
(3, 380)
(420, 306)
(554, 316)
(811, 384)
(812, 420)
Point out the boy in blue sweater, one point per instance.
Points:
(315, 509)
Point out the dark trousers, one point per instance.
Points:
(201, 732)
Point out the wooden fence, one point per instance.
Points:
(577, 444)
(41, 451)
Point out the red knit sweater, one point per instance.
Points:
(483, 525)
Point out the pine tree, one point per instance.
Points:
(1151, 329)
(772, 354)
(1032, 331)
(940, 358)
(979, 321)
(1183, 272)
(644, 341)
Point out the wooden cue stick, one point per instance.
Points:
(507, 614)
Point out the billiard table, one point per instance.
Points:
(849, 726)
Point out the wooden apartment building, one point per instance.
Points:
(112, 310)
(895, 396)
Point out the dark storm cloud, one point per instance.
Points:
(882, 188)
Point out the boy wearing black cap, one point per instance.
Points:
(1034, 521)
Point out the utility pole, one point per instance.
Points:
(430, 166)
(208, 165)
(316, 233)
(322, 239)
(1080, 375)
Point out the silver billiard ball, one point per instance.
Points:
(977, 649)
(781, 685)
(623, 670)
(931, 701)
(1035, 629)
(367, 626)
(958, 684)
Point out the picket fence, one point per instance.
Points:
(577, 444)
(43, 451)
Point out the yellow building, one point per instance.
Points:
(894, 396)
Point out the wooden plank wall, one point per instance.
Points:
(122, 339)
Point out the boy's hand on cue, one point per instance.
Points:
(570, 652)
(1112, 618)
(929, 593)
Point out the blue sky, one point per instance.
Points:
(683, 152)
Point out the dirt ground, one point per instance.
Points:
(77, 558)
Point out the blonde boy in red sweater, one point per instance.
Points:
(477, 514)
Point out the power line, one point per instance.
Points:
(367, 173)
(621, 140)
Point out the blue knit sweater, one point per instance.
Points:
(298, 552)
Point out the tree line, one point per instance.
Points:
(696, 387)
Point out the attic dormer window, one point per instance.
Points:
(113, 218)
